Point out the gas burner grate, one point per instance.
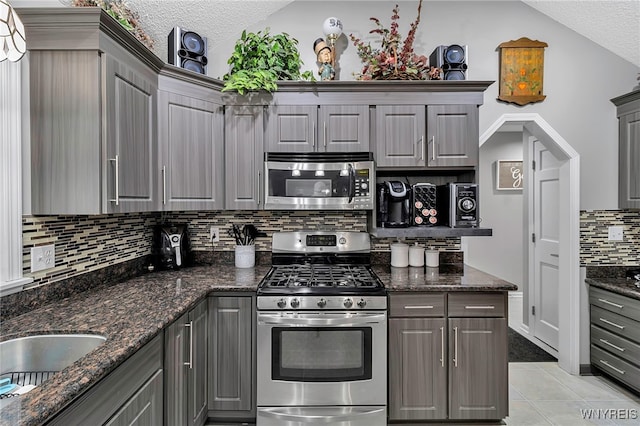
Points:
(337, 276)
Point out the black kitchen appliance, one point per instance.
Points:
(171, 246)
(425, 210)
(394, 205)
(458, 205)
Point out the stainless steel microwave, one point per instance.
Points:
(319, 181)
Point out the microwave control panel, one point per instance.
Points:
(363, 197)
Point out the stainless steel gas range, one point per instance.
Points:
(322, 333)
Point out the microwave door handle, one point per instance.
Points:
(352, 186)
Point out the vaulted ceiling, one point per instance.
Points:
(613, 24)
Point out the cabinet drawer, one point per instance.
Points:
(617, 324)
(616, 367)
(615, 344)
(615, 303)
(476, 305)
(417, 305)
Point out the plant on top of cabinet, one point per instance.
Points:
(260, 59)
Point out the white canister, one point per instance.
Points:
(245, 256)
(416, 256)
(400, 255)
(433, 258)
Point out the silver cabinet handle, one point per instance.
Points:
(554, 255)
(455, 346)
(608, 343)
(419, 307)
(611, 366)
(421, 145)
(621, 327)
(116, 160)
(259, 186)
(324, 134)
(164, 185)
(433, 148)
(479, 307)
(190, 327)
(611, 303)
(314, 136)
(442, 346)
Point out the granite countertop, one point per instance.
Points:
(465, 278)
(623, 286)
(131, 313)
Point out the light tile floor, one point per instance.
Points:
(541, 393)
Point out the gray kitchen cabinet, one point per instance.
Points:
(312, 128)
(615, 335)
(628, 111)
(185, 362)
(131, 394)
(244, 156)
(400, 136)
(232, 358)
(452, 136)
(447, 356)
(190, 151)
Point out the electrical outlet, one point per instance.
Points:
(43, 257)
(616, 233)
(214, 234)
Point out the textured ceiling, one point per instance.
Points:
(613, 24)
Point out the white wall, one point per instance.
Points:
(580, 77)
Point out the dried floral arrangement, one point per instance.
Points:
(394, 60)
(119, 11)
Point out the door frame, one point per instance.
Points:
(535, 127)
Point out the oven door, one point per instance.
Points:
(322, 359)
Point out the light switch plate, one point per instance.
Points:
(616, 233)
(43, 257)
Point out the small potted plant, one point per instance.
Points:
(260, 59)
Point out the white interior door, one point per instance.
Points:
(546, 193)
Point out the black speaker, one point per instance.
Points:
(188, 50)
(452, 59)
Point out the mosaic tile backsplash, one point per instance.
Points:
(595, 247)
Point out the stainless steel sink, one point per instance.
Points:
(32, 359)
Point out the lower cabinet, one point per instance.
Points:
(130, 395)
(448, 356)
(232, 358)
(185, 362)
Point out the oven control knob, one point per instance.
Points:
(348, 303)
(295, 303)
(322, 303)
(362, 303)
(342, 240)
(282, 303)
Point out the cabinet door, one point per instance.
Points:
(453, 139)
(144, 408)
(291, 128)
(400, 133)
(244, 152)
(417, 369)
(629, 154)
(190, 153)
(231, 360)
(478, 368)
(197, 369)
(343, 128)
(175, 351)
(131, 96)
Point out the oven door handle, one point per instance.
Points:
(266, 319)
(352, 413)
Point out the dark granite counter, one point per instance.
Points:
(623, 286)
(131, 313)
(465, 278)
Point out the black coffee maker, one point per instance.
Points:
(394, 204)
(171, 246)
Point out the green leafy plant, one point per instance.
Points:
(260, 59)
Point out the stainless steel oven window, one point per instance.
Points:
(309, 183)
(321, 354)
(308, 188)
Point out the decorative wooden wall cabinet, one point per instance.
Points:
(521, 71)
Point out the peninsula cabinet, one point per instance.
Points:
(185, 361)
(312, 128)
(244, 156)
(431, 136)
(232, 357)
(629, 150)
(190, 148)
(448, 357)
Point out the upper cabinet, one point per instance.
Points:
(312, 128)
(629, 150)
(400, 136)
(452, 136)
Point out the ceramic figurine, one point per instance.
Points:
(323, 53)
